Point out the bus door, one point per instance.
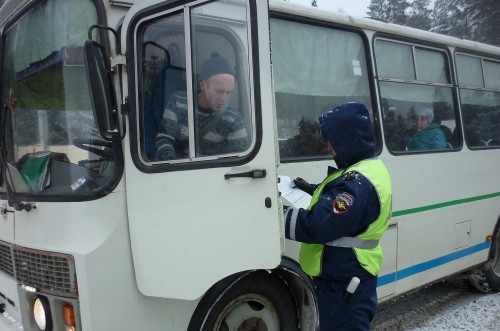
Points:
(201, 184)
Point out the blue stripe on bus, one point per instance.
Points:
(418, 268)
(386, 279)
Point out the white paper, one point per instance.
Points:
(356, 68)
(291, 195)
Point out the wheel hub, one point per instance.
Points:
(253, 324)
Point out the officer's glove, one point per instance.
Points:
(305, 186)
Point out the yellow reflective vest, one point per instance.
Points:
(366, 245)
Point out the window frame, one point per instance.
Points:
(162, 11)
(414, 45)
(420, 44)
(370, 77)
(483, 57)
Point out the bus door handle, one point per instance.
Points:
(257, 173)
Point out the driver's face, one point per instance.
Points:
(217, 90)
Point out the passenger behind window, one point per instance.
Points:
(220, 130)
(308, 142)
(449, 136)
(395, 131)
(428, 135)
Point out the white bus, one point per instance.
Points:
(96, 233)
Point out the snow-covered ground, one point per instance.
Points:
(442, 306)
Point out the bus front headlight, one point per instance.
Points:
(41, 313)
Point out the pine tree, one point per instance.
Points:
(470, 19)
(376, 9)
(396, 11)
(485, 22)
(494, 23)
(477, 20)
(453, 18)
(420, 15)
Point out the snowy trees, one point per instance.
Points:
(393, 11)
(412, 13)
(484, 20)
(376, 9)
(419, 15)
(477, 20)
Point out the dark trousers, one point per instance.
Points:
(351, 314)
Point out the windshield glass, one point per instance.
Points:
(50, 143)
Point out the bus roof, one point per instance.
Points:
(11, 7)
(316, 13)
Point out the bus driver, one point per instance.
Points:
(220, 130)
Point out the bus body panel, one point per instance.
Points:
(11, 319)
(6, 224)
(387, 285)
(103, 260)
(164, 275)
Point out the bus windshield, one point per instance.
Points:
(51, 146)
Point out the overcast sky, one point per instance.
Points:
(351, 7)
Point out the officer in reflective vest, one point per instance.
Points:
(348, 214)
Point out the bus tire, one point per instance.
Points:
(257, 301)
(492, 267)
(487, 277)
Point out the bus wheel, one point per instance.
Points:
(258, 301)
(487, 278)
(492, 267)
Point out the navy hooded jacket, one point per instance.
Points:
(348, 129)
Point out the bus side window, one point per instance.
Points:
(495, 136)
(479, 81)
(482, 124)
(202, 121)
(418, 126)
(165, 79)
(222, 119)
(328, 67)
(417, 98)
(396, 130)
(163, 73)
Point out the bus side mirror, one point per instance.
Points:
(102, 95)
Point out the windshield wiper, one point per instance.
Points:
(5, 171)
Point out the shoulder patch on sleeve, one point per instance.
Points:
(342, 203)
